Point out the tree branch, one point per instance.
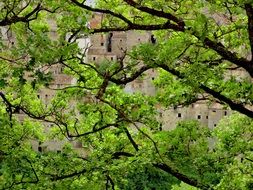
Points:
(234, 106)
(129, 136)
(117, 155)
(78, 173)
(179, 26)
(94, 130)
(249, 12)
(157, 13)
(14, 19)
(165, 26)
(104, 11)
(181, 176)
(131, 78)
(232, 57)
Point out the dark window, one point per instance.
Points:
(94, 58)
(199, 116)
(207, 117)
(214, 111)
(109, 42)
(111, 58)
(153, 78)
(225, 112)
(152, 39)
(38, 96)
(179, 115)
(160, 127)
(102, 44)
(214, 125)
(40, 149)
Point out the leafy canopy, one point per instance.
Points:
(203, 51)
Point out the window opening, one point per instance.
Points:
(152, 39)
(109, 42)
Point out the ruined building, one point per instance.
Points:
(111, 47)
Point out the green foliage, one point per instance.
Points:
(147, 177)
(110, 139)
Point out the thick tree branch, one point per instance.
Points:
(165, 26)
(129, 136)
(232, 57)
(249, 12)
(78, 173)
(179, 26)
(167, 169)
(181, 176)
(14, 19)
(94, 130)
(157, 13)
(131, 78)
(117, 155)
(104, 11)
(234, 106)
(132, 26)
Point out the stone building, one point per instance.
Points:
(112, 47)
